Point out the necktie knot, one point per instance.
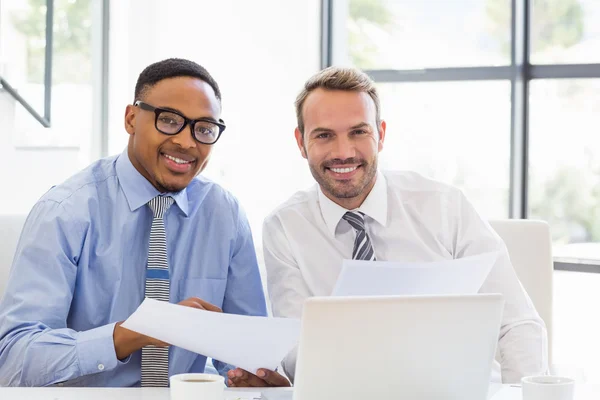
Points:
(160, 204)
(356, 219)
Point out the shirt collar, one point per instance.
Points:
(374, 206)
(138, 190)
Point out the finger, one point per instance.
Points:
(193, 303)
(239, 382)
(211, 307)
(232, 379)
(204, 304)
(246, 379)
(272, 378)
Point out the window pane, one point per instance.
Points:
(457, 132)
(24, 36)
(564, 177)
(412, 34)
(565, 31)
(565, 162)
(40, 156)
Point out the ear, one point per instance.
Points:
(300, 142)
(130, 113)
(382, 127)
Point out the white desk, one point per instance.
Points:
(497, 392)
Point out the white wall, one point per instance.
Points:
(260, 53)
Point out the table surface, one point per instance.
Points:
(497, 392)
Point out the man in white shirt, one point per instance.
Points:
(357, 211)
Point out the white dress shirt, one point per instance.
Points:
(408, 218)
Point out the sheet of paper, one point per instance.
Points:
(385, 278)
(246, 342)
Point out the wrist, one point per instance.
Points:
(127, 342)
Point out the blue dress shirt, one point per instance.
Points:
(80, 267)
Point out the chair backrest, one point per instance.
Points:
(530, 249)
(10, 226)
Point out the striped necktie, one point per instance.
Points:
(363, 249)
(155, 360)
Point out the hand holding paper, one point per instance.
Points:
(246, 342)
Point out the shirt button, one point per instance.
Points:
(101, 367)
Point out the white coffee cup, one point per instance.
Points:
(197, 386)
(548, 388)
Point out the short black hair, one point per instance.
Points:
(172, 68)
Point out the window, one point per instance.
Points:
(565, 31)
(41, 156)
(447, 131)
(71, 66)
(565, 159)
(405, 34)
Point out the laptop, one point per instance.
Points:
(398, 347)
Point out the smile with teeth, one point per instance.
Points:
(177, 160)
(343, 170)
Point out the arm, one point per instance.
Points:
(36, 346)
(522, 345)
(287, 287)
(244, 292)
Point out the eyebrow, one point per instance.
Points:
(172, 109)
(361, 125)
(324, 130)
(180, 112)
(320, 130)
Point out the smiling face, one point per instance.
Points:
(169, 163)
(341, 142)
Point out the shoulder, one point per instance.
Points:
(83, 185)
(204, 193)
(413, 182)
(300, 203)
(70, 201)
(412, 187)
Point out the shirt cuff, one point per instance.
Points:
(96, 350)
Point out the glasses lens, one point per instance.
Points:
(169, 123)
(206, 132)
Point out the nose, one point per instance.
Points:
(184, 139)
(343, 148)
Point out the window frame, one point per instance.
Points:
(520, 72)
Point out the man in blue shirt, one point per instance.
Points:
(93, 247)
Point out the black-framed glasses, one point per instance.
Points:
(170, 122)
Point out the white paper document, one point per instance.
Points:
(243, 341)
(386, 278)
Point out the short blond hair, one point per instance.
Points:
(337, 78)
